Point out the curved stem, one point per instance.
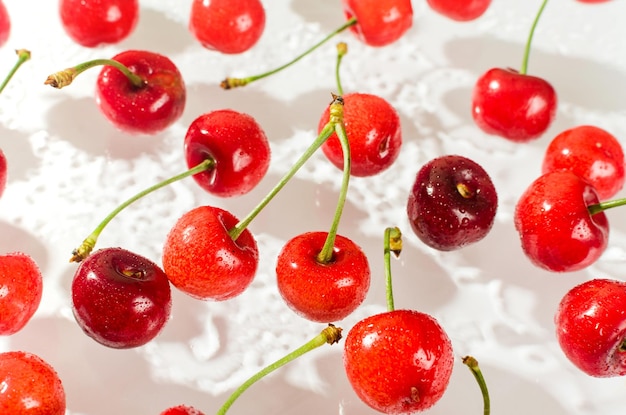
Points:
(330, 335)
(602, 206)
(472, 363)
(342, 49)
(22, 56)
(89, 243)
(524, 67)
(392, 244)
(230, 83)
(65, 77)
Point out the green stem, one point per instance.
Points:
(230, 83)
(524, 67)
(22, 56)
(336, 105)
(472, 363)
(65, 77)
(342, 49)
(392, 244)
(89, 243)
(330, 335)
(602, 206)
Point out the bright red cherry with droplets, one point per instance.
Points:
(120, 299)
(460, 10)
(373, 130)
(591, 327)
(3, 172)
(93, 23)
(379, 22)
(592, 153)
(227, 26)
(182, 410)
(201, 258)
(322, 291)
(238, 146)
(21, 287)
(5, 24)
(556, 229)
(29, 385)
(398, 362)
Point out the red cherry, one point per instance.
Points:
(182, 410)
(452, 203)
(514, 106)
(593, 1)
(322, 292)
(591, 327)
(201, 258)
(29, 386)
(21, 287)
(147, 109)
(398, 362)
(379, 22)
(3, 172)
(238, 146)
(93, 23)
(556, 229)
(373, 130)
(120, 299)
(228, 26)
(5, 24)
(460, 10)
(590, 152)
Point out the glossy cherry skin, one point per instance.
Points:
(373, 130)
(3, 172)
(237, 145)
(322, 292)
(201, 259)
(30, 386)
(591, 327)
(398, 362)
(97, 22)
(514, 106)
(379, 22)
(21, 287)
(120, 299)
(556, 230)
(227, 26)
(592, 153)
(452, 203)
(182, 410)
(150, 108)
(460, 10)
(5, 24)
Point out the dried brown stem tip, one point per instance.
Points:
(333, 333)
(62, 78)
(230, 83)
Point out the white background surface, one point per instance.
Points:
(68, 167)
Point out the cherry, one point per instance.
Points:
(120, 299)
(322, 291)
(140, 92)
(379, 22)
(591, 327)
(5, 24)
(373, 130)
(182, 410)
(238, 147)
(452, 203)
(460, 10)
(557, 230)
(3, 172)
(593, 1)
(592, 153)
(30, 386)
(202, 259)
(21, 287)
(93, 23)
(513, 104)
(227, 26)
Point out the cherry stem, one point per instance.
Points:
(230, 83)
(330, 335)
(65, 77)
(622, 347)
(524, 67)
(85, 248)
(22, 56)
(602, 206)
(392, 244)
(342, 50)
(336, 107)
(472, 363)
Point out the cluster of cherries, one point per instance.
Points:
(399, 361)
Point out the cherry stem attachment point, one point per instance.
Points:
(230, 83)
(392, 244)
(342, 50)
(22, 56)
(524, 68)
(472, 364)
(65, 77)
(602, 206)
(85, 248)
(330, 335)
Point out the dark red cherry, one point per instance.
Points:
(379, 22)
(5, 24)
(460, 10)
